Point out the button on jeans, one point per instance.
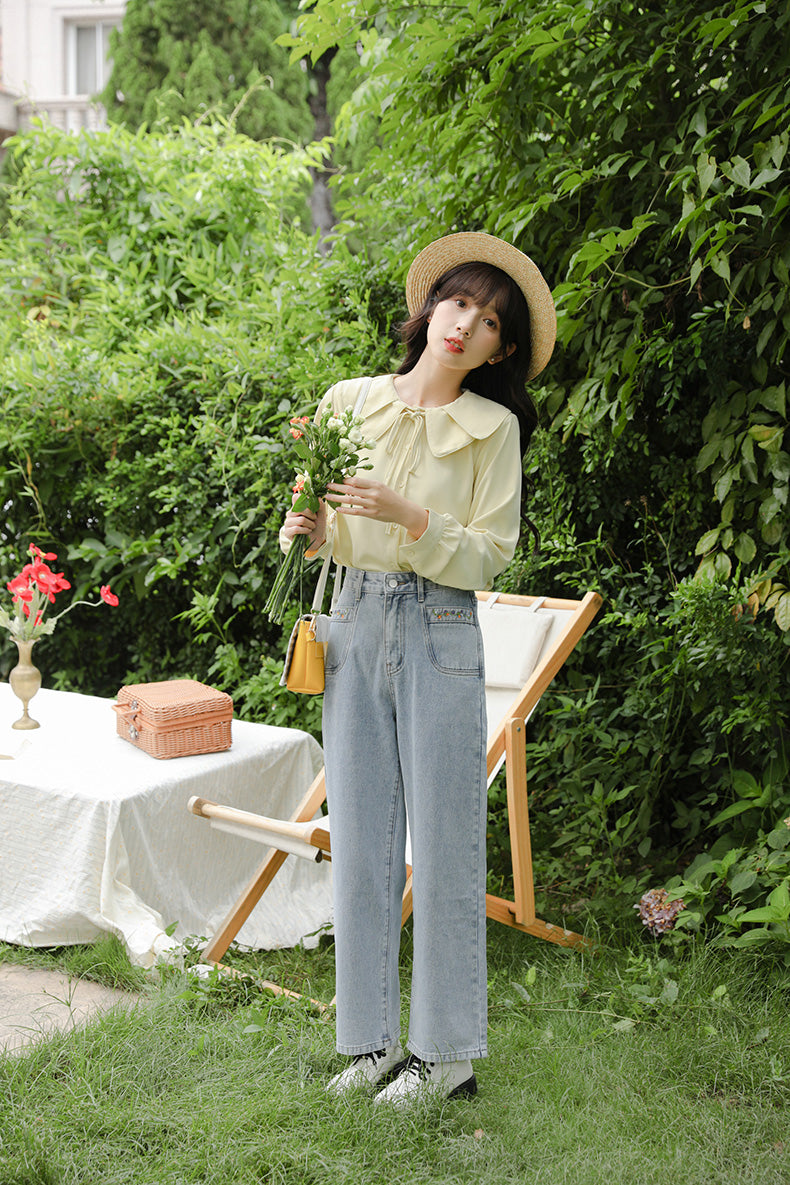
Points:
(405, 731)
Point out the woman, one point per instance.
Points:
(436, 517)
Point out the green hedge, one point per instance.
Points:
(157, 338)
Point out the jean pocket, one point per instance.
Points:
(341, 630)
(452, 639)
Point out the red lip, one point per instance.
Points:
(454, 345)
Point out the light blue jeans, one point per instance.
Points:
(404, 730)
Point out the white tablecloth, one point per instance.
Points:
(95, 835)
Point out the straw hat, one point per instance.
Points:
(474, 247)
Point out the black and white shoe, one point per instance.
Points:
(429, 1080)
(366, 1069)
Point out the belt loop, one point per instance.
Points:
(420, 588)
(352, 582)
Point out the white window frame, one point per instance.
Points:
(103, 66)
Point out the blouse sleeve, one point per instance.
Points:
(471, 556)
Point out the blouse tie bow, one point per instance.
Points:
(403, 450)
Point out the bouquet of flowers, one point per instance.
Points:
(328, 451)
(34, 590)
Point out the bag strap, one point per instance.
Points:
(320, 588)
(363, 394)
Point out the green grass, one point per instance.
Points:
(632, 1066)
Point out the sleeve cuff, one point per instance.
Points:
(420, 551)
(323, 551)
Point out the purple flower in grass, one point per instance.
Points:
(657, 912)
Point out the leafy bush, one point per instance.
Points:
(662, 746)
(112, 232)
(746, 889)
(157, 340)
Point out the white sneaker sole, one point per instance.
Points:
(425, 1091)
(354, 1078)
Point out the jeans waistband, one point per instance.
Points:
(387, 583)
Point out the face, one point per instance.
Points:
(463, 335)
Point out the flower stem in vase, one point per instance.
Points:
(25, 680)
(287, 579)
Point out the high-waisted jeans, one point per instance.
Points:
(405, 731)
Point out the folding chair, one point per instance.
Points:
(526, 641)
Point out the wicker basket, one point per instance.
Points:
(177, 718)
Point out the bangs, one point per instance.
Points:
(484, 284)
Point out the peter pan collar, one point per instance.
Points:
(447, 429)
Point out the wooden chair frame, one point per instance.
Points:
(506, 744)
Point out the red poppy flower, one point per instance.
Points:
(38, 571)
(42, 555)
(19, 586)
(35, 589)
(49, 583)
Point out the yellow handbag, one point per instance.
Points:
(303, 670)
(305, 661)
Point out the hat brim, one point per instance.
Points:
(476, 247)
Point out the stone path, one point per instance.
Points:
(35, 1003)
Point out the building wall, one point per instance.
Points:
(47, 64)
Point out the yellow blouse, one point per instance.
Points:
(462, 462)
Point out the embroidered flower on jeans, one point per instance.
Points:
(451, 614)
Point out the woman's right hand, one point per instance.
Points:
(305, 522)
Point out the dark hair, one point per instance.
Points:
(505, 382)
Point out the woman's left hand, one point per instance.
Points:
(362, 497)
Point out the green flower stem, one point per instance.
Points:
(288, 577)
